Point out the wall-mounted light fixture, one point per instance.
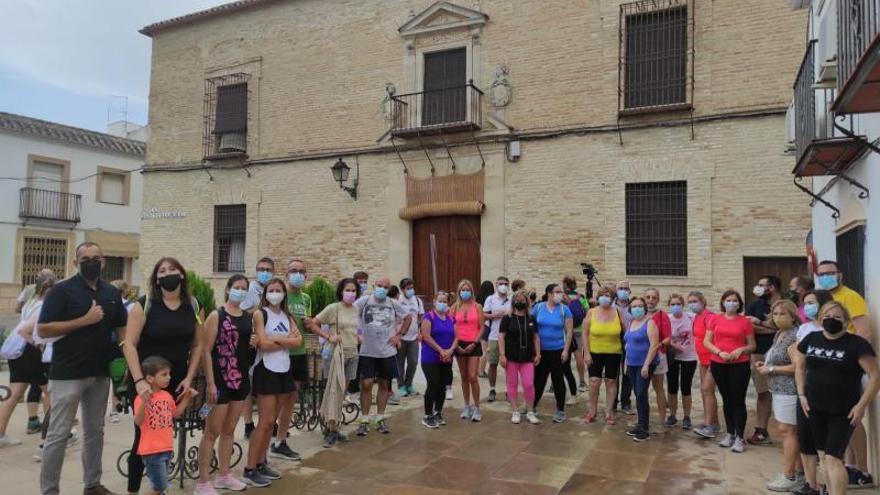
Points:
(340, 171)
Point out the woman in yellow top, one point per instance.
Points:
(602, 353)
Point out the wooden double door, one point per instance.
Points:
(445, 250)
(785, 268)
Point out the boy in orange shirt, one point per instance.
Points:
(154, 415)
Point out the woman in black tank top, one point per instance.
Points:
(163, 323)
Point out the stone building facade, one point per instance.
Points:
(557, 138)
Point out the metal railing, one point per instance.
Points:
(458, 108)
(858, 24)
(49, 205)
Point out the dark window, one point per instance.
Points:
(851, 258)
(226, 115)
(42, 252)
(656, 228)
(114, 268)
(230, 227)
(445, 97)
(654, 51)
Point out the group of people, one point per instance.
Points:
(809, 355)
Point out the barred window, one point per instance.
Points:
(230, 227)
(42, 252)
(114, 268)
(851, 257)
(654, 37)
(656, 228)
(226, 116)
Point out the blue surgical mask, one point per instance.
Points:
(696, 307)
(237, 295)
(676, 309)
(731, 306)
(828, 282)
(811, 310)
(465, 295)
(363, 288)
(604, 301)
(297, 279)
(410, 293)
(623, 294)
(441, 307)
(637, 312)
(380, 292)
(264, 277)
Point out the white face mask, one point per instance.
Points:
(275, 297)
(758, 291)
(557, 298)
(502, 289)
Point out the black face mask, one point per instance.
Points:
(832, 326)
(169, 282)
(520, 305)
(90, 269)
(533, 296)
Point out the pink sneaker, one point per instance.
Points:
(204, 488)
(229, 482)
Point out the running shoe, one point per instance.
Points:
(559, 417)
(449, 394)
(738, 446)
(806, 489)
(430, 422)
(686, 423)
(38, 454)
(492, 396)
(671, 421)
(726, 441)
(205, 488)
(34, 426)
(571, 400)
(641, 436)
(268, 472)
(341, 437)
(628, 410)
(254, 478)
(114, 417)
(467, 412)
(705, 431)
(759, 437)
(582, 387)
(382, 426)
(532, 418)
(7, 441)
(282, 451)
(329, 440)
(858, 479)
(362, 429)
(440, 420)
(782, 483)
(229, 482)
(393, 400)
(515, 418)
(476, 415)
(633, 431)
(483, 374)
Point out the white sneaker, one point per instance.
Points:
(114, 417)
(38, 454)
(571, 401)
(726, 441)
(531, 418)
(7, 441)
(739, 446)
(229, 482)
(515, 418)
(449, 393)
(782, 483)
(466, 413)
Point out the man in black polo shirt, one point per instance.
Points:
(766, 293)
(82, 312)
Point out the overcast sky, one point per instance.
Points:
(67, 60)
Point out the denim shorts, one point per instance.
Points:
(156, 467)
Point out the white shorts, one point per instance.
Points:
(662, 364)
(785, 408)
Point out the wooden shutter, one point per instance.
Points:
(231, 113)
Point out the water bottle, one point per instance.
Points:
(205, 410)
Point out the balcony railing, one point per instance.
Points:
(49, 205)
(436, 111)
(858, 56)
(820, 148)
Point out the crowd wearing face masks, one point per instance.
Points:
(806, 352)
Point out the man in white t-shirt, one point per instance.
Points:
(495, 308)
(408, 352)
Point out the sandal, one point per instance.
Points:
(609, 419)
(589, 417)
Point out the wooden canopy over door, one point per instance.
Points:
(457, 242)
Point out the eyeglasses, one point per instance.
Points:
(264, 269)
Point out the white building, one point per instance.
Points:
(62, 185)
(835, 126)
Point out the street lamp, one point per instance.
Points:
(340, 171)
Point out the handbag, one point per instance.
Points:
(14, 345)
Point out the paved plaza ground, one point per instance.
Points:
(492, 457)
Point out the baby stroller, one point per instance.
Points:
(119, 377)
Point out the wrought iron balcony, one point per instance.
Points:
(49, 205)
(437, 111)
(858, 56)
(820, 148)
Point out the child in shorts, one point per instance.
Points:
(154, 415)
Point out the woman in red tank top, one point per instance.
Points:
(468, 316)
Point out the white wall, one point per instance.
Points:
(14, 151)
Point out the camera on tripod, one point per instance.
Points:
(590, 271)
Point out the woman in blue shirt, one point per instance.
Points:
(642, 340)
(555, 331)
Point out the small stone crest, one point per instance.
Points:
(501, 89)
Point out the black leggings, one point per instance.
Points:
(438, 377)
(569, 376)
(732, 380)
(680, 372)
(550, 365)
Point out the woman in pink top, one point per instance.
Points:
(702, 316)
(682, 361)
(731, 340)
(468, 316)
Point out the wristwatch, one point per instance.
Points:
(772, 369)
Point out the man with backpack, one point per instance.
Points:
(578, 305)
(496, 307)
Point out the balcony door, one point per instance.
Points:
(47, 183)
(445, 94)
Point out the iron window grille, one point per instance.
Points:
(42, 252)
(226, 116)
(230, 228)
(656, 228)
(656, 56)
(114, 268)
(852, 264)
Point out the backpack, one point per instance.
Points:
(578, 313)
(193, 303)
